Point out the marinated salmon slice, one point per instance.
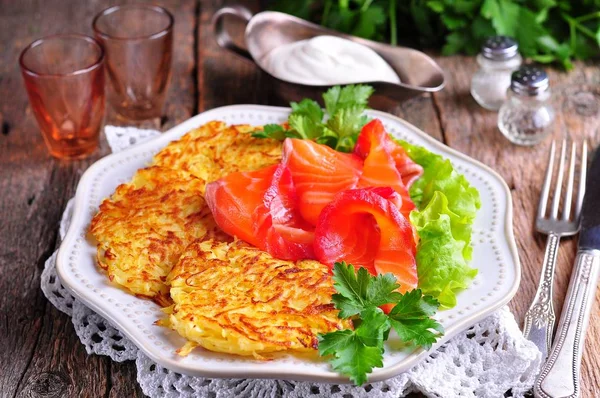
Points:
(234, 199)
(319, 173)
(372, 135)
(277, 208)
(259, 207)
(278, 222)
(364, 227)
(380, 168)
(408, 169)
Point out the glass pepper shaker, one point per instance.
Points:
(527, 115)
(499, 57)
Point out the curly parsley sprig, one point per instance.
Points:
(344, 107)
(355, 353)
(546, 30)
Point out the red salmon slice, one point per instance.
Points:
(379, 168)
(364, 224)
(319, 173)
(408, 169)
(259, 207)
(372, 135)
(234, 198)
(278, 222)
(354, 239)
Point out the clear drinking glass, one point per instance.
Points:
(64, 78)
(138, 40)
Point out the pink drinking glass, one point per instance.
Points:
(64, 78)
(138, 40)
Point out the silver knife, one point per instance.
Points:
(559, 376)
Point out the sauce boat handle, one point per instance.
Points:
(222, 35)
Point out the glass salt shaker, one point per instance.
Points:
(527, 115)
(499, 57)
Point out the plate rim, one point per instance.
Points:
(329, 376)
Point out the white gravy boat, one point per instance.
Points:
(268, 29)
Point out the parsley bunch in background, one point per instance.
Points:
(547, 30)
(344, 106)
(356, 352)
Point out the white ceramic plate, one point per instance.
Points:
(494, 254)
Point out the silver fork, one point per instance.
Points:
(539, 319)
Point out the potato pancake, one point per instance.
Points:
(216, 149)
(146, 225)
(234, 298)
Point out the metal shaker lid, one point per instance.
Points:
(499, 48)
(529, 80)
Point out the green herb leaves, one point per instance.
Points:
(344, 106)
(359, 295)
(271, 131)
(547, 30)
(309, 109)
(350, 96)
(360, 291)
(352, 356)
(411, 318)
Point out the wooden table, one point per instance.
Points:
(40, 355)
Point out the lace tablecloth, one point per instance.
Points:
(490, 359)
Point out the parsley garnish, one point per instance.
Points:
(271, 131)
(355, 353)
(344, 106)
(546, 30)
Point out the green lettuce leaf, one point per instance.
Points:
(447, 205)
(444, 246)
(439, 175)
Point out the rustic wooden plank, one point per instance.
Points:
(472, 130)
(223, 78)
(124, 381)
(420, 111)
(182, 98)
(50, 359)
(40, 353)
(32, 200)
(60, 366)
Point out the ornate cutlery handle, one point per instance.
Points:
(539, 319)
(559, 377)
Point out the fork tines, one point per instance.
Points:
(558, 183)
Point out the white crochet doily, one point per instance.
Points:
(491, 359)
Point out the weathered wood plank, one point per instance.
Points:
(420, 111)
(40, 353)
(33, 196)
(124, 381)
(182, 98)
(472, 130)
(223, 78)
(60, 364)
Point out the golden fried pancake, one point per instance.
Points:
(216, 149)
(234, 298)
(145, 226)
